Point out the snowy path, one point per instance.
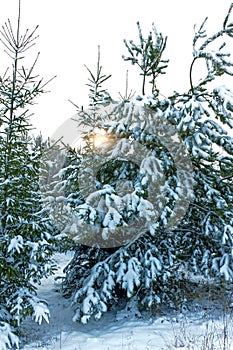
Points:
(163, 333)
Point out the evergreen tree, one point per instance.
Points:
(170, 215)
(25, 232)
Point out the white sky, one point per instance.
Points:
(70, 32)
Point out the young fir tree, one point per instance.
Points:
(154, 246)
(25, 232)
(61, 191)
(53, 157)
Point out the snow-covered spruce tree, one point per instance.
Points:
(146, 268)
(25, 232)
(62, 193)
(51, 186)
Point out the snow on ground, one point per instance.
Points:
(122, 331)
